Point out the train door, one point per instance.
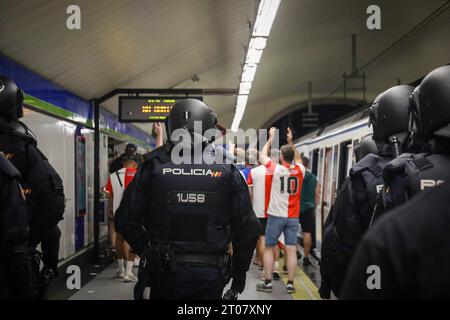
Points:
(104, 174)
(68, 160)
(80, 194)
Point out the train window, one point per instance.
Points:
(355, 144)
(335, 172)
(327, 183)
(350, 158)
(315, 161)
(343, 161)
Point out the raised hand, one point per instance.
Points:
(157, 128)
(289, 135)
(272, 131)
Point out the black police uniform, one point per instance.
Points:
(15, 264)
(410, 245)
(410, 174)
(197, 210)
(348, 219)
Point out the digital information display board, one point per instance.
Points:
(147, 109)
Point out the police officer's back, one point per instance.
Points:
(189, 213)
(42, 184)
(406, 254)
(352, 212)
(15, 266)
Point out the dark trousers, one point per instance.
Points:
(50, 248)
(15, 276)
(188, 283)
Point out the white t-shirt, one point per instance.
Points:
(261, 183)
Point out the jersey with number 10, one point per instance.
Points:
(286, 189)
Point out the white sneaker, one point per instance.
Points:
(129, 277)
(120, 273)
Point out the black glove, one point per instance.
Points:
(230, 295)
(324, 292)
(238, 283)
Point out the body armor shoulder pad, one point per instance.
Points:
(396, 166)
(162, 153)
(19, 129)
(8, 168)
(370, 163)
(422, 163)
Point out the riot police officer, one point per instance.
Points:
(15, 266)
(410, 174)
(42, 184)
(180, 216)
(406, 254)
(415, 234)
(352, 212)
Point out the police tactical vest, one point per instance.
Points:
(370, 169)
(189, 205)
(411, 173)
(426, 171)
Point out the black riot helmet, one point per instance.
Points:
(11, 99)
(185, 112)
(365, 147)
(389, 114)
(415, 125)
(432, 104)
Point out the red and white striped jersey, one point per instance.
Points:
(261, 181)
(118, 182)
(286, 189)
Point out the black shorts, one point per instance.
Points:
(307, 221)
(263, 224)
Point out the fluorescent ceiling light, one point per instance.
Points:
(248, 74)
(244, 87)
(242, 100)
(255, 50)
(267, 11)
(240, 109)
(236, 122)
(266, 15)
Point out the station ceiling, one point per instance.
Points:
(163, 44)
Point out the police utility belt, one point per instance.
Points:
(162, 258)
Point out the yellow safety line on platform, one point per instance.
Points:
(305, 289)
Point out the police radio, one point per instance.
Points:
(396, 148)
